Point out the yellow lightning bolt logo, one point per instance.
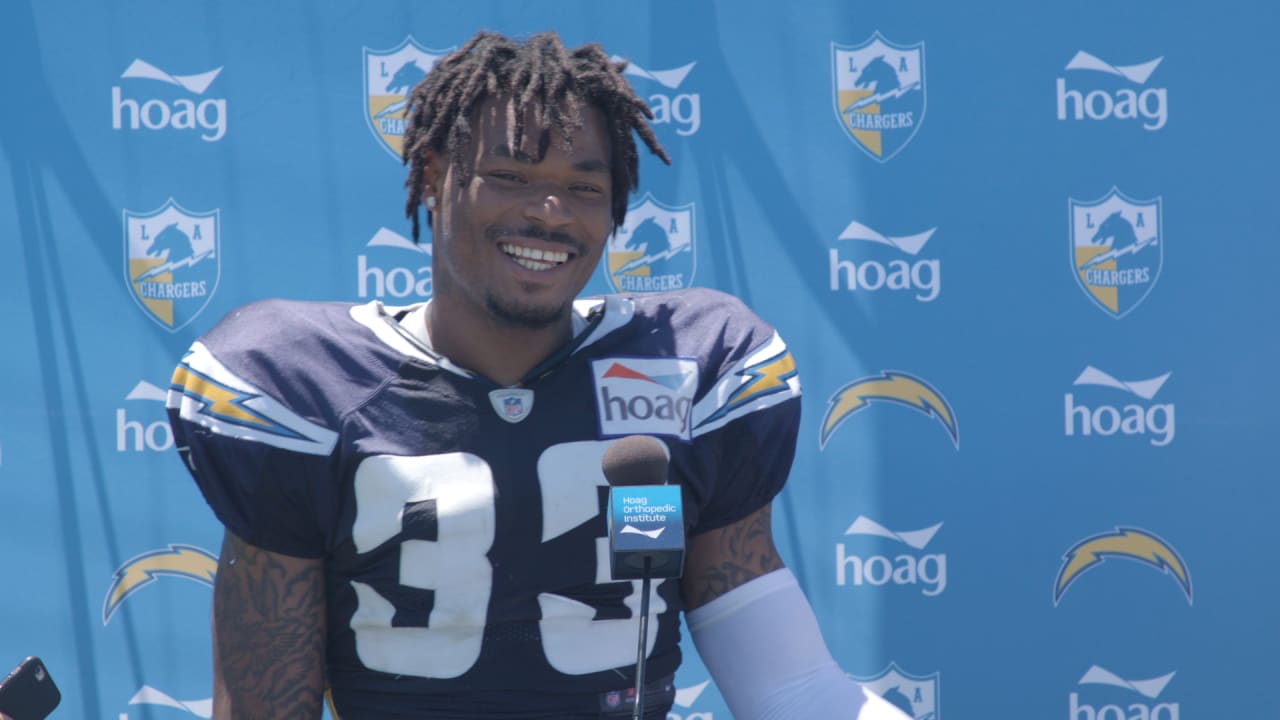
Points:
(1131, 543)
(890, 386)
(219, 399)
(763, 378)
(184, 561)
(766, 377)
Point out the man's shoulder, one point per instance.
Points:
(310, 356)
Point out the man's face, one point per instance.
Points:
(521, 239)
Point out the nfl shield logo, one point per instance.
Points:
(1117, 249)
(652, 250)
(389, 75)
(512, 404)
(878, 90)
(172, 262)
(917, 696)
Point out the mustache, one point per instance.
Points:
(535, 232)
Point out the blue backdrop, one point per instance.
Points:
(1024, 256)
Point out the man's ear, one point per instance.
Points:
(433, 172)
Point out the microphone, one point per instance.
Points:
(646, 515)
(646, 527)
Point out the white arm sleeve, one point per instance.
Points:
(762, 645)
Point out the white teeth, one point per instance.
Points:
(536, 259)
(533, 264)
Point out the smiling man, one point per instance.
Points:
(413, 496)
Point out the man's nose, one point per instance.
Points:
(547, 206)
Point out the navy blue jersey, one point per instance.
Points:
(462, 523)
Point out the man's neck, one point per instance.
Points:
(501, 352)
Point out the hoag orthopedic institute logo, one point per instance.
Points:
(171, 262)
(879, 93)
(891, 263)
(1112, 95)
(185, 111)
(389, 75)
(912, 567)
(1132, 419)
(653, 249)
(393, 267)
(1117, 249)
(1134, 544)
(1107, 696)
(682, 111)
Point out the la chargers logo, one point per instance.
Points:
(915, 695)
(172, 262)
(1117, 249)
(389, 75)
(653, 249)
(879, 93)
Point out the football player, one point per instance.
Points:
(412, 496)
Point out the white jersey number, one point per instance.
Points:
(456, 567)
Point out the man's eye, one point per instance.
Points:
(587, 189)
(506, 176)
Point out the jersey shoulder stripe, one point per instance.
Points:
(205, 392)
(765, 377)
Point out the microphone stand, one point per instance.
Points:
(644, 633)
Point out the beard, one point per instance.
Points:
(524, 316)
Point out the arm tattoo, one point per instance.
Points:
(742, 551)
(269, 613)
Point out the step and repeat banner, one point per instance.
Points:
(1024, 255)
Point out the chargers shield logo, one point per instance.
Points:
(878, 92)
(1117, 249)
(653, 249)
(172, 262)
(389, 75)
(915, 695)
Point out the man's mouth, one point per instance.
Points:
(533, 258)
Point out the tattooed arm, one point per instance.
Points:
(722, 559)
(269, 634)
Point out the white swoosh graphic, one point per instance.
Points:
(686, 697)
(141, 69)
(1149, 688)
(909, 244)
(1133, 73)
(1145, 389)
(392, 239)
(653, 534)
(917, 539)
(146, 391)
(670, 79)
(151, 696)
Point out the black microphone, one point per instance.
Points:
(646, 515)
(646, 527)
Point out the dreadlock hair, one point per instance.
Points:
(538, 75)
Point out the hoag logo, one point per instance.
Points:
(1135, 544)
(927, 571)
(1117, 249)
(1111, 697)
(879, 93)
(389, 75)
(172, 262)
(394, 267)
(179, 111)
(921, 277)
(1132, 419)
(649, 396)
(1114, 93)
(653, 249)
(680, 110)
(140, 432)
(919, 696)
